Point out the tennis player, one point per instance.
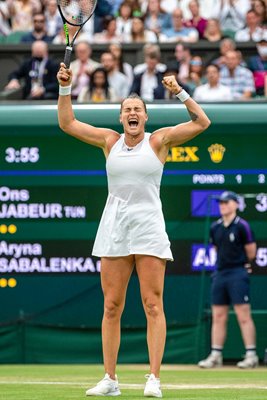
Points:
(132, 229)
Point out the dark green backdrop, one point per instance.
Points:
(52, 193)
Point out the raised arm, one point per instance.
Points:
(181, 133)
(100, 137)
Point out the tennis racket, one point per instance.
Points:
(75, 13)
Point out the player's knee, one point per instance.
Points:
(153, 307)
(112, 310)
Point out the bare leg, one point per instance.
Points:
(115, 275)
(246, 324)
(151, 271)
(219, 325)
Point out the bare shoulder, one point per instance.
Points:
(111, 138)
(157, 137)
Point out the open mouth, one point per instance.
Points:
(133, 123)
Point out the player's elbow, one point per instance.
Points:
(205, 123)
(65, 126)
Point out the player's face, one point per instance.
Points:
(228, 207)
(133, 116)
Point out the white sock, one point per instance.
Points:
(251, 351)
(216, 351)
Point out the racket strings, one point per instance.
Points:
(77, 12)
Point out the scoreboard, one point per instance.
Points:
(53, 188)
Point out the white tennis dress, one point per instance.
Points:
(132, 221)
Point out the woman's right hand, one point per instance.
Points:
(64, 75)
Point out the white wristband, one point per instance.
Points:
(183, 96)
(64, 90)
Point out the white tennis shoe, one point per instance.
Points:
(212, 361)
(106, 387)
(249, 362)
(152, 388)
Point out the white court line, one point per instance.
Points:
(140, 386)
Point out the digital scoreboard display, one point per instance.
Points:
(53, 188)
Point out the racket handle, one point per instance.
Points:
(67, 56)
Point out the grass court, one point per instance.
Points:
(181, 382)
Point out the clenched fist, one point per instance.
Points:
(64, 75)
(171, 84)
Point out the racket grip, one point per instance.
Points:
(67, 56)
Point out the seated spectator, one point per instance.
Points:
(117, 81)
(39, 73)
(238, 79)
(182, 58)
(253, 30)
(178, 32)
(121, 66)
(213, 31)
(98, 90)
(195, 77)
(4, 19)
(52, 17)
(108, 35)
(148, 49)
(139, 34)
(82, 67)
(196, 21)
(39, 31)
(148, 84)
(213, 90)
(258, 65)
(155, 19)
(21, 13)
(260, 7)
(226, 45)
(60, 38)
(124, 19)
(231, 14)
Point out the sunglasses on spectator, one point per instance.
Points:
(38, 20)
(195, 62)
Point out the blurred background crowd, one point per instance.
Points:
(152, 23)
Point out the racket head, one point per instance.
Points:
(76, 12)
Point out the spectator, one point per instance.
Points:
(253, 30)
(195, 77)
(178, 32)
(155, 19)
(82, 67)
(139, 34)
(231, 14)
(148, 49)
(53, 19)
(21, 13)
(98, 90)
(121, 66)
(258, 65)
(4, 19)
(213, 90)
(213, 31)
(226, 45)
(39, 73)
(108, 35)
(148, 84)
(182, 59)
(196, 21)
(116, 79)
(39, 31)
(261, 9)
(238, 79)
(124, 20)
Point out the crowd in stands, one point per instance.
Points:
(151, 23)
